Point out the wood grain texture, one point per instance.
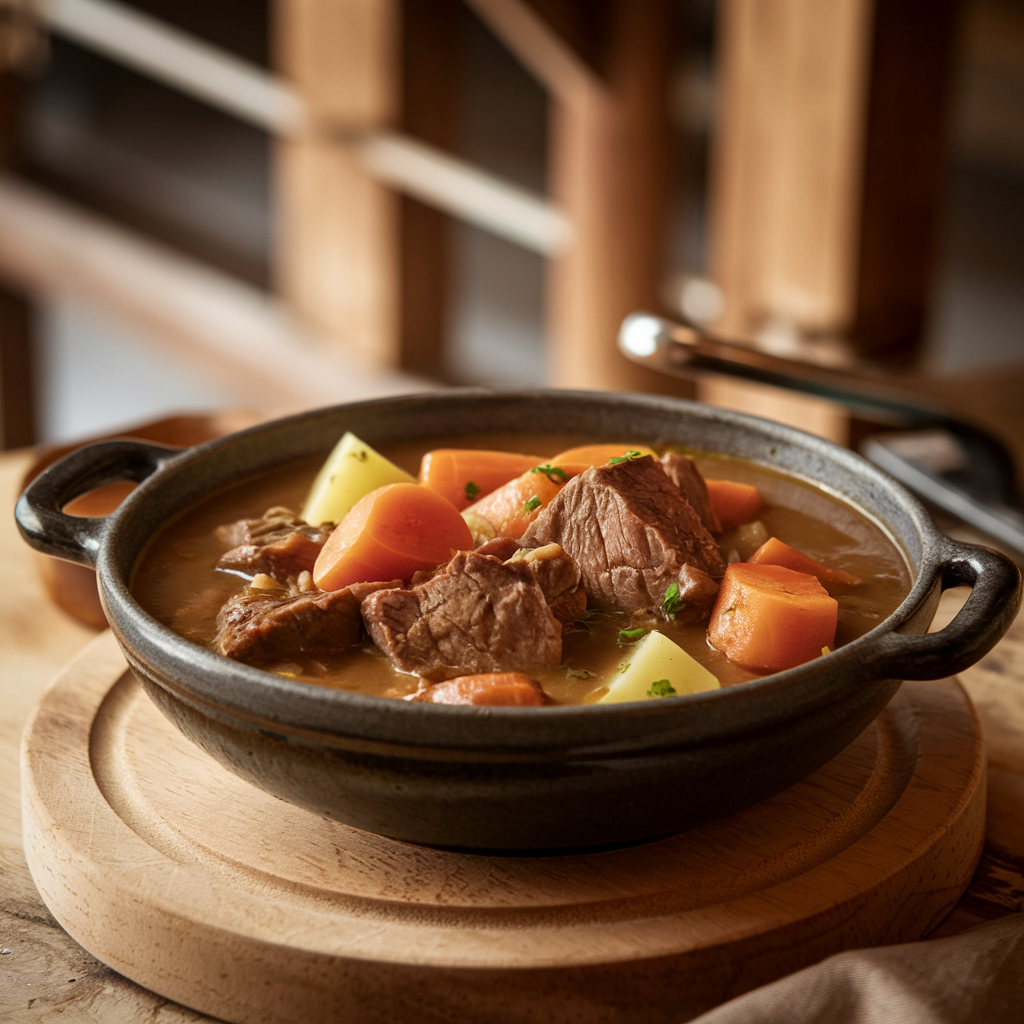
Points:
(191, 882)
(827, 164)
(337, 239)
(609, 167)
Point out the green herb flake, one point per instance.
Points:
(532, 504)
(624, 667)
(555, 474)
(471, 490)
(628, 457)
(359, 456)
(661, 688)
(672, 602)
(587, 620)
(630, 636)
(580, 673)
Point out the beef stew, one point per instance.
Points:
(574, 652)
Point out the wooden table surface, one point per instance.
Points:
(45, 976)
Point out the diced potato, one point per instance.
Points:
(351, 471)
(654, 668)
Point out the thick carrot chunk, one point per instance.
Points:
(511, 508)
(732, 502)
(463, 475)
(498, 689)
(768, 618)
(390, 534)
(774, 552)
(575, 460)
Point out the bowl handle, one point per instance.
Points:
(39, 512)
(988, 613)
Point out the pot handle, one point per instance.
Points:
(39, 512)
(977, 627)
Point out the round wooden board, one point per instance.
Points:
(208, 891)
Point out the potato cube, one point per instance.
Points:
(657, 667)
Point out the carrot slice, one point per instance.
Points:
(733, 502)
(774, 552)
(389, 534)
(463, 475)
(497, 689)
(575, 460)
(768, 618)
(512, 507)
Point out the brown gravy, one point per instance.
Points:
(177, 583)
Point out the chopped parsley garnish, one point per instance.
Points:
(628, 457)
(672, 602)
(471, 490)
(555, 474)
(580, 673)
(587, 619)
(359, 456)
(661, 688)
(533, 503)
(630, 636)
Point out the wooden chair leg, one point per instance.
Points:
(431, 52)
(337, 244)
(17, 376)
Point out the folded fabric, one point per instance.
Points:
(976, 977)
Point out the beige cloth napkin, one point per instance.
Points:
(973, 978)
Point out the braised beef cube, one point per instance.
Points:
(558, 576)
(683, 472)
(502, 548)
(279, 544)
(265, 622)
(474, 615)
(633, 534)
(490, 689)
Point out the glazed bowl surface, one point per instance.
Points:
(518, 778)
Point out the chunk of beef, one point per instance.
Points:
(559, 577)
(279, 544)
(266, 622)
(683, 472)
(502, 548)
(493, 689)
(474, 615)
(633, 534)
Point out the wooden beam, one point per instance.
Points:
(913, 57)
(228, 330)
(17, 370)
(431, 52)
(18, 322)
(338, 229)
(826, 163)
(609, 171)
(825, 183)
(787, 147)
(541, 50)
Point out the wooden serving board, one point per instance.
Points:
(212, 893)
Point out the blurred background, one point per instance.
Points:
(271, 204)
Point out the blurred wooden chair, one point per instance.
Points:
(827, 152)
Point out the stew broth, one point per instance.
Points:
(176, 580)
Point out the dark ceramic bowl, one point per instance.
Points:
(518, 778)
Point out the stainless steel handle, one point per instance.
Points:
(983, 492)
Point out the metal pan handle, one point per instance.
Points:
(39, 512)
